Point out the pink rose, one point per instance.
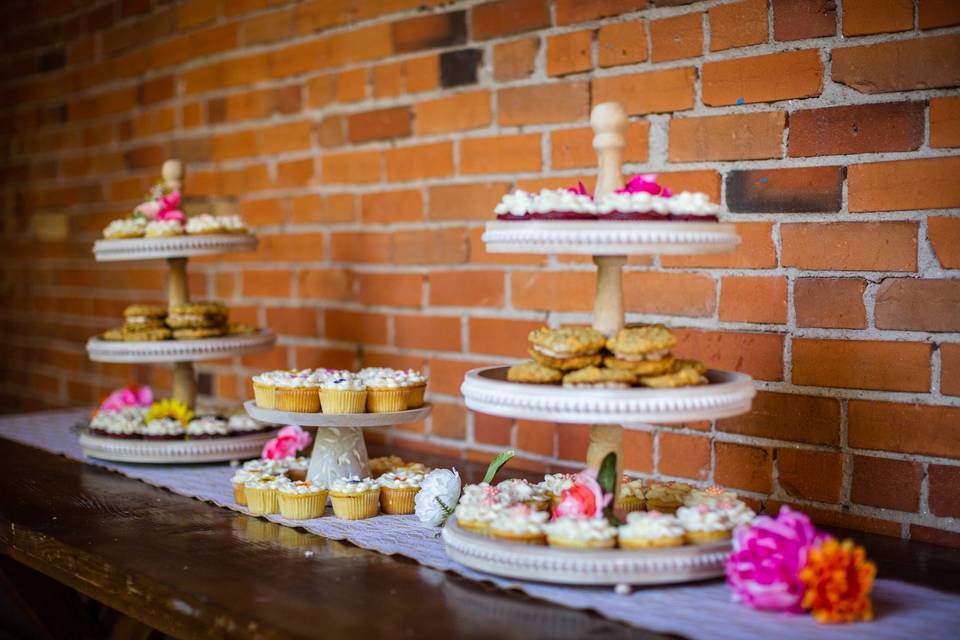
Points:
(288, 442)
(148, 209)
(169, 207)
(764, 569)
(128, 396)
(585, 499)
(645, 183)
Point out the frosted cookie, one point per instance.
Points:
(533, 373)
(598, 378)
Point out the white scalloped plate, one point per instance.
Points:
(100, 350)
(687, 563)
(606, 238)
(175, 451)
(488, 391)
(343, 420)
(173, 247)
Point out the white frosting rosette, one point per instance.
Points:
(353, 484)
(520, 520)
(126, 227)
(401, 480)
(719, 516)
(581, 529)
(204, 223)
(651, 525)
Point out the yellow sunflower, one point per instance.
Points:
(170, 409)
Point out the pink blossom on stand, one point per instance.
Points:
(579, 189)
(645, 183)
(288, 442)
(128, 396)
(585, 499)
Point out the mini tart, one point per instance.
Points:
(685, 373)
(398, 490)
(641, 341)
(125, 228)
(163, 229)
(531, 372)
(641, 367)
(646, 530)
(261, 492)
(599, 378)
(355, 498)
(301, 500)
(566, 342)
(711, 494)
(565, 364)
(576, 533)
(203, 224)
(666, 497)
(477, 518)
(520, 524)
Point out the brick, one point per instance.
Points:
(802, 19)
(387, 207)
(684, 455)
(944, 490)
(552, 290)
(321, 90)
(950, 369)
(898, 66)
(680, 294)
(382, 124)
(290, 136)
(572, 11)
(446, 375)
(938, 13)
(434, 160)
(306, 247)
(830, 303)
(421, 74)
(803, 190)
(843, 519)
(767, 78)
(757, 354)
(351, 167)
(755, 251)
(266, 283)
(753, 299)
(387, 80)
(458, 68)
(351, 86)
(785, 416)
(295, 173)
(486, 288)
(743, 467)
(930, 535)
(270, 27)
(621, 43)
(904, 184)
(650, 92)
(850, 246)
(573, 148)
(423, 246)
(945, 121)
(515, 59)
(292, 321)
(748, 136)
(195, 12)
(360, 44)
(466, 201)
(493, 430)
(677, 37)
(739, 24)
(869, 128)
(354, 326)
(427, 332)
(500, 154)
(506, 17)
(458, 112)
(637, 451)
(536, 437)
(886, 483)
(332, 131)
(501, 337)
(864, 17)
(230, 146)
(918, 305)
(862, 364)
(429, 32)
(394, 289)
(324, 284)
(944, 234)
(557, 102)
(810, 475)
(569, 53)
(156, 90)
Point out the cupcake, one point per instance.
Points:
(666, 497)
(379, 466)
(707, 523)
(708, 496)
(298, 392)
(301, 500)
(203, 224)
(386, 394)
(354, 498)
(166, 428)
(252, 469)
(581, 533)
(239, 479)
(555, 484)
(163, 228)
(125, 228)
(416, 385)
(296, 467)
(519, 491)
(520, 523)
(479, 506)
(645, 530)
(265, 389)
(398, 490)
(343, 395)
(631, 496)
(232, 224)
(413, 467)
(261, 492)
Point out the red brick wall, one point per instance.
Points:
(368, 140)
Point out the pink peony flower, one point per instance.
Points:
(169, 207)
(128, 396)
(645, 183)
(288, 442)
(764, 569)
(585, 499)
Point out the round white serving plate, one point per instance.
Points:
(609, 238)
(341, 420)
(487, 390)
(175, 451)
(173, 247)
(585, 566)
(100, 350)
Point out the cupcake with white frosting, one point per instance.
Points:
(581, 533)
(479, 506)
(632, 495)
(232, 224)
(125, 228)
(520, 523)
(416, 385)
(166, 428)
(650, 529)
(301, 499)
(298, 391)
(250, 470)
(398, 491)
(355, 498)
(203, 224)
(163, 228)
(554, 484)
(709, 522)
(343, 394)
(519, 491)
(386, 393)
(710, 495)
(265, 388)
(261, 493)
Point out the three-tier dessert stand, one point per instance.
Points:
(176, 250)
(609, 411)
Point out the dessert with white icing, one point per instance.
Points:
(398, 491)
(645, 529)
(301, 500)
(709, 522)
(203, 224)
(355, 498)
(520, 523)
(581, 533)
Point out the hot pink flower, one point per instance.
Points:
(764, 569)
(645, 183)
(579, 189)
(585, 499)
(169, 207)
(128, 396)
(288, 442)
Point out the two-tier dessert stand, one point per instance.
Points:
(609, 411)
(182, 353)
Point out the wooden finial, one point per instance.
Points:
(172, 173)
(609, 122)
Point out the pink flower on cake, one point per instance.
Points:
(288, 442)
(128, 396)
(585, 499)
(645, 183)
(579, 189)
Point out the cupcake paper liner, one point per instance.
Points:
(386, 400)
(415, 396)
(239, 493)
(343, 400)
(264, 395)
(398, 501)
(355, 506)
(302, 506)
(261, 501)
(299, 399)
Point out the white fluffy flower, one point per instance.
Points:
(438, 486)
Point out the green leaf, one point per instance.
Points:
(607, 475)
(498, 462)
(612, 519)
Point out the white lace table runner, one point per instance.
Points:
(696, 611)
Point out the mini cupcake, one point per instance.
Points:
(206, 427)
(204, 224)
(398, 489)
(520, 523)
(232, 224)
(379, 466)
(343, 395)
(709, 495)
(416, 385)
(354, 498)
(262, 466)
(581, 533)
(296, 467)
(631, 496)
(298, 392)
(479, 506)
(711, 522)
(413, 467)
(265, 389)
(125, 228)
(645, 530)
(386, 394)
(239, 479)
(166, 428)
(241, 423)
(163, 228)
(301, 500)
(519, 491)
(261, 492)
(666, 497)
(556, 483)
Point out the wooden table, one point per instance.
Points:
(195, 570)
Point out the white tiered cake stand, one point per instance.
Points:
(609, 411)
(182, 353)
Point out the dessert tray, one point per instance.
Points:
(585, 566)
(175, 451)
(100, 350)
(173, 247)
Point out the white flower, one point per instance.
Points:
(438, 495)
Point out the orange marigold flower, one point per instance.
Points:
(839, 579)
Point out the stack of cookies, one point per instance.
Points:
(577, 357)
(190, 321)
(195, 320)
(144, 322)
